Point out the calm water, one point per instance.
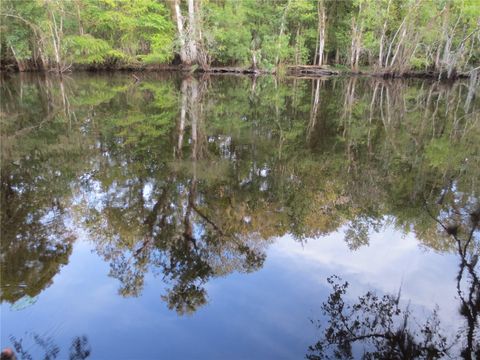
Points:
(200, 218)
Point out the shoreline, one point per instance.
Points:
(294, 71)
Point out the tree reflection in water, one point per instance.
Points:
(380, 327)
(35, 346)
(193, 178)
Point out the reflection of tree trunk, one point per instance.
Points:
(314, 108)
(277, 120)
(372, 108)
(349, 100)
(66, 107)
(190, 113)
(473, 85)
(295, 97)
(467, 274)
(188, 226)
(347, 118)
(158, 208)
(181, 125)
(194, 113)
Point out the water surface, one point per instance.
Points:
(200, 217)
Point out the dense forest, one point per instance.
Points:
(382, 36)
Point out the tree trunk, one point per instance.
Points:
(79, 18)
(282, 29)
(56, 32)
(382, 37)
(189, 34)
(356, 45)
(181, 31)
(356, 40)
(322, 19)
(192, 33)
(393, 40)
(20, 63)
(254, 60)
(297, 46)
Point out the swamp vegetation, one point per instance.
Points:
(392, 37)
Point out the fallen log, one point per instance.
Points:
(232, 70)
(310, 70)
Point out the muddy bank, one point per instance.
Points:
(307, 71)
(318, 71)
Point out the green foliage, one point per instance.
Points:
(227, 35)
(85, 49)
(418, 35)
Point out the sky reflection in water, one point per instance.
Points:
(260, 315)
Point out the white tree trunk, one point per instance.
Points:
(382, 37)
(282, 29)
(192, 33)
(322, 19)
(181, 32)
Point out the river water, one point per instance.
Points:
(190, 217)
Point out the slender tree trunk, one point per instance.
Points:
(282, 29)
(56, 33)
(297, 46)
(356, 45)
(322, 19)
(382, 37)
(55, 49)
(393, 40)
(79, 18)
(20, 63)
(400, 43)
(254, 60)
(438, 64)
(181, 31)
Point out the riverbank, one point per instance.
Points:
(309, 71)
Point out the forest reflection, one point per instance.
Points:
(193, 178)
